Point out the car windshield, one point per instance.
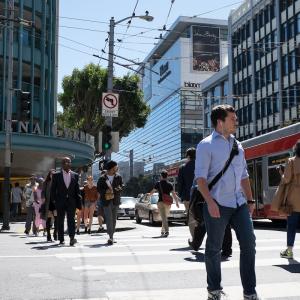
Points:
(128, 200)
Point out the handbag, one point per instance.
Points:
(197, 199)
(109, 195)
(167, 199)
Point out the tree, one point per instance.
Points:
(138, 185)
(81, 101)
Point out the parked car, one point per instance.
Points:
(126, 208)
(146, 209)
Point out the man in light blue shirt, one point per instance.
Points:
(229, 202)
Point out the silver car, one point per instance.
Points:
(146, 209)
(126, 208)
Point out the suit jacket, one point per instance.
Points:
(65, 196)
(186, 176)
(102, 187)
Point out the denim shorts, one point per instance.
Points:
(89, 204)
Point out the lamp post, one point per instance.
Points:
(112, 24)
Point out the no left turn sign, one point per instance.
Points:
(110, 105)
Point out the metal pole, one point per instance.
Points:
(9, 94)
(110, 75)
(131, 162)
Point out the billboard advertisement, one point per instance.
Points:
(206, 48)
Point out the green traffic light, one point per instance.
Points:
(106, 146)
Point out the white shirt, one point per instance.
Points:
(67, 178)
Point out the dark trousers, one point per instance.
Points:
(30, 216)
(292, 223)
(61, 212)
(240, 220)
(110, 214)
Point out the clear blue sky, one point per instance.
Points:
(137, 47)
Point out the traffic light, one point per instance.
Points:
(106, 138)
(24, 104)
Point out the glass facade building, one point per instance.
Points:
(191, 52)
(37, 145)
(264, 65)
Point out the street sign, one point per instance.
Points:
(110, 105)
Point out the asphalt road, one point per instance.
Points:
(140, 266)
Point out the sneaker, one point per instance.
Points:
(110, 242)
(251, 297)
(192, 245)
(78, 232)
(166, 234)
(217, 295)
(73, 241)
(89, 231)
(286, 254)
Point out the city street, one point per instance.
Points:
(141, 265)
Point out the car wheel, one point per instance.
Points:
(137, 218)
(151, 219)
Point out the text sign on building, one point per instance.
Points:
(110, 105)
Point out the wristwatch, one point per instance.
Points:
(250, 201)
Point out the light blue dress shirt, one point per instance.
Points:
(211, 156)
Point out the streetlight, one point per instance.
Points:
(112, 24)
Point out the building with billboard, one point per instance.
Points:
(264, 65)
(36, 142)
(189, 53)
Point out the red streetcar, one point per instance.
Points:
(264, 154)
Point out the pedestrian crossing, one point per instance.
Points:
(141, 266)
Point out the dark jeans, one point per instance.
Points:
(110, 215)
(14, 209)
(30, 216)
(292, 223)
(240, 220)
(61, 212)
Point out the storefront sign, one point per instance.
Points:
(164, 72)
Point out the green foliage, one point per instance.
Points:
(138, 185)
(81, 101)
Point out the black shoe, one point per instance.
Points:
(110, 242)
(100, 229)
(61, 243)
(49, 238)
(26, 232)
(55, 237)
(89, 231)
(226, 254)
(85, 229)
(191, 244)
(73, 241)
(77, 232)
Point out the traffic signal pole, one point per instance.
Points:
(9, 94)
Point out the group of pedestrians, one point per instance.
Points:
(59, 196)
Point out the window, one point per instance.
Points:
(284, 33)
(269, 106)
(274, 39)
(263, 108)
(275, 70)
(275, 99)
(292, 57)
(291, 29)
(298, 23)
(250, 119)
(269, 74)
(285, 65)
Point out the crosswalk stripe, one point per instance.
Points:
(266, 291)
(184, 266)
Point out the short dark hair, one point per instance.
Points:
(110, 164)
(220, 112)
(164, 174)
(191, 153)
(297, 148)
(17, 184)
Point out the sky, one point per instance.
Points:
(77, 46)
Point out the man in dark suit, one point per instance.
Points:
(66, 194)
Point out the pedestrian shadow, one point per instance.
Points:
(181, 249)
(158, 237)
(96, 246)
(46, 247)
(292, 267)
(198, 257)
(124, 229)
(37, 242)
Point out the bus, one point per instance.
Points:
(264, 154)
